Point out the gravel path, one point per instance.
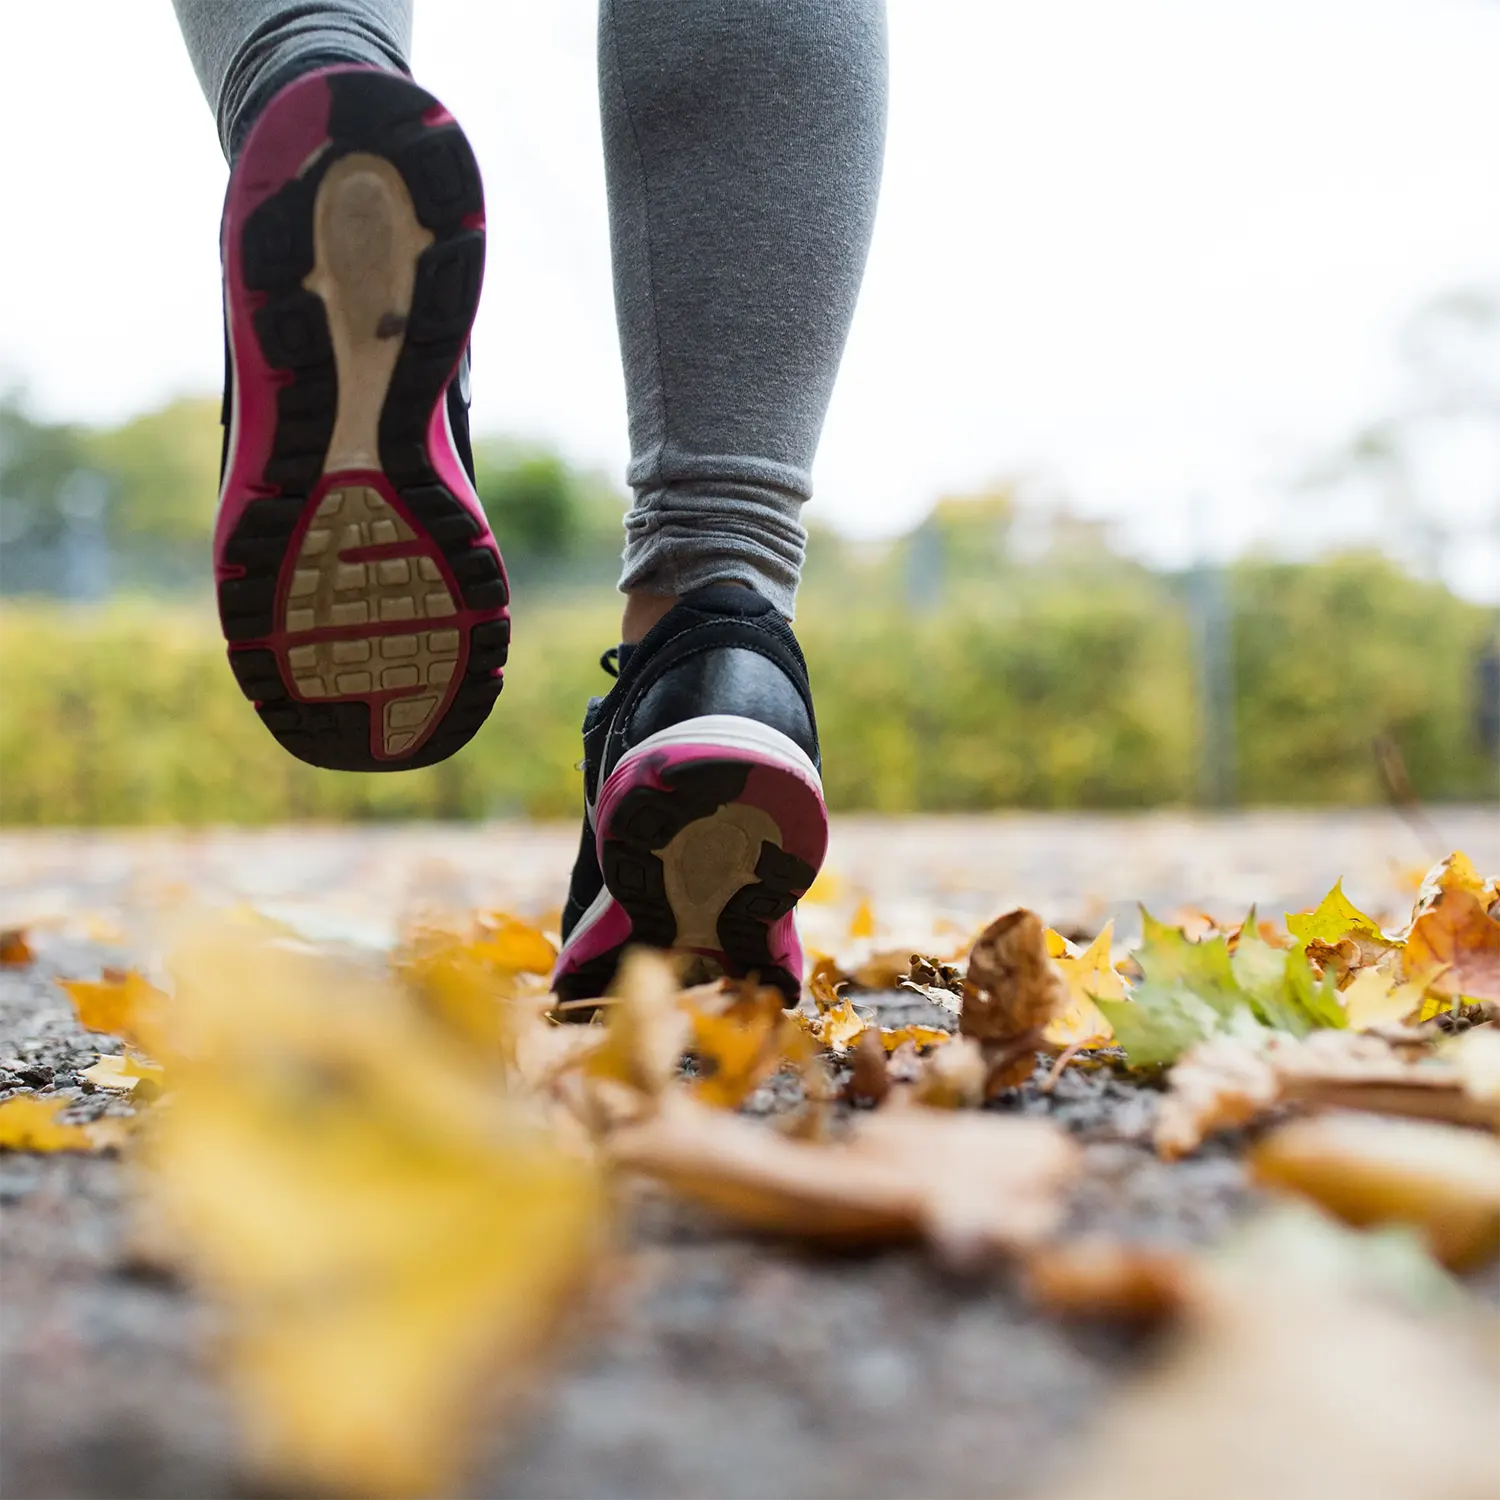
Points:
(711, 1365)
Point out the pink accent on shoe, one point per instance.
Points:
(789, 797)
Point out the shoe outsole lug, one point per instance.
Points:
(649, 817)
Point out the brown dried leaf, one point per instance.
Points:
(1439, 1179)
(1229, 1081)
(1111, 1279)
(869, 1078)
(973, 1184)
(1012, 990)
(1457, 934)
(1012, 986)
(15, 951)
(882, 970)
(953, 1076)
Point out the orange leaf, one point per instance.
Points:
(1457, 932)
(122, 1003)
(15, 951)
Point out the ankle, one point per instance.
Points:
(642, 611)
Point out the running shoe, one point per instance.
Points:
(704, 820)
(360, 590)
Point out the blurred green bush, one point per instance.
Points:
(1051, 687)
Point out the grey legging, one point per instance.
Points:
(742, 145)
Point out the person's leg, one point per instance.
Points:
(243, 51)
(360, 589)
(743, 143)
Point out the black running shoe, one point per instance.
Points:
(360, 589)
(704, 820)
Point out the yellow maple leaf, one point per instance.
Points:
(1376, 998)
(123, 1003)
(862, 923)
(892, 1037)
(647, 1031)
(380, 1224)
(29, 1123)
(740, 1046)
(469, 982)
(122, 1072)
(1089, 976)
(514, 946)
(1334, 917)
(837, 1023)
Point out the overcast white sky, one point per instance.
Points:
(1151, 250)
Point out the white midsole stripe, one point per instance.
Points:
(731, 732)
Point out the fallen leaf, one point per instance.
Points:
(1335, 917)
(837, 1023)
(28, 1123)
(926, 972)
(869, 1078)
(882, 970)
(1089, 976)
(1376, 998)
(381, 1226)
(1011, 991)
(1232, 1080)
(15, 951)
(973, 1184)
(123, 1072)
(514, 946)
(1110, 1279)
(939, 995)
(122, 1003)
(741, 1045)
(470, 981)
(1191, 991)
(647, 1033)
(1441, 1180)
(953, 1077)
(892, 1037)
(862, 923)
(1218, 1084)
(1457, 935)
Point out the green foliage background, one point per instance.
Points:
(1063, 686)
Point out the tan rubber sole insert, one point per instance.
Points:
(366, 241)
(328, 592)
(707, 862)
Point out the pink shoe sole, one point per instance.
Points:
(360, 588)
(708, 834)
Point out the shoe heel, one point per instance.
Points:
(709, 834)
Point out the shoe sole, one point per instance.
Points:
(708, 834)
(360, 590)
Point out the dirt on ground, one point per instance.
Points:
(708, 1363)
